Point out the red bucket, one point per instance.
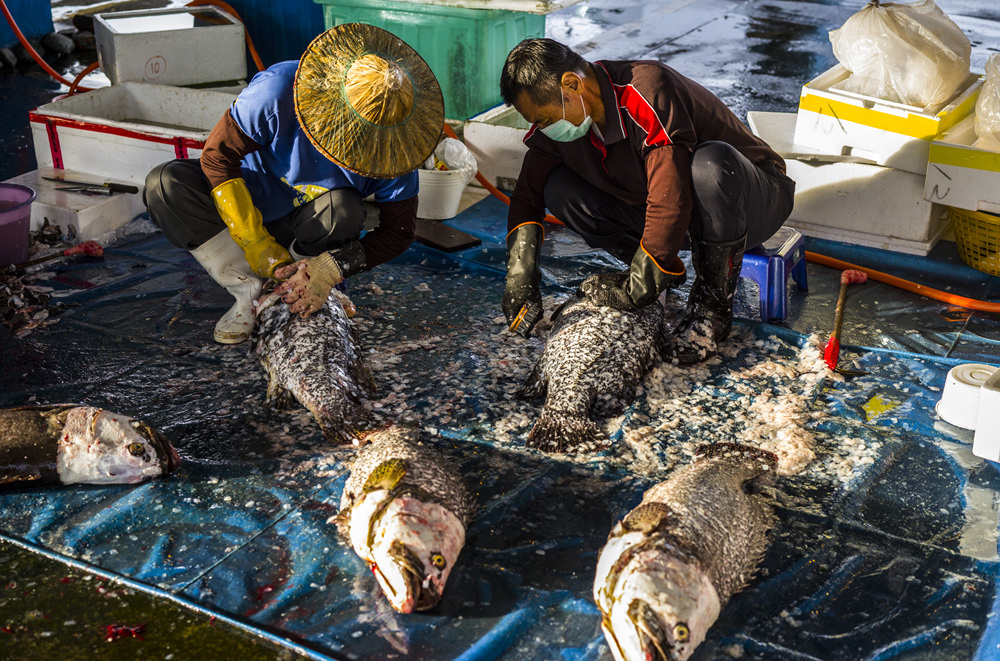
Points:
(15, 219)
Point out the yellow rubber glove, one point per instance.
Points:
(235, 206)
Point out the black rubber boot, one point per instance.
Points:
(709, 315)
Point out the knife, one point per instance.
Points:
(114, 188)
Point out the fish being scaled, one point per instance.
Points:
(694, 541)
(316, 360)
(404, 510)
(595, 357)
(77, 444)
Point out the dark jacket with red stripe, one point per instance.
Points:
(654, 119)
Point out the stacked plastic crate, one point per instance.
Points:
(860, 163)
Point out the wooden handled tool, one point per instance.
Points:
(88, 248)
(831, 353)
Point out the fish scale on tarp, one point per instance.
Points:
(898, 559)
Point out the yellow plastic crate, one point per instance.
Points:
(978, 237)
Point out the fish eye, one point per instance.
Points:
(136, 449)
(681, 633)
(438, 561)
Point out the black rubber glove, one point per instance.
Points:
(609, 290)
(637, 287)
(523, 276)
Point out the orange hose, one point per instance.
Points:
(226, 8)
(31, 51)
(493, 189)
(929, 292)
(80, 76)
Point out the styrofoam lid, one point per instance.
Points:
(959, 403)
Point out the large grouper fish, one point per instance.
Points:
(316, 360)
(694, 541)
(404, 510)
(594, 358)
(77, 444)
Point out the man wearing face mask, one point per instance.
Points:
(632, 156)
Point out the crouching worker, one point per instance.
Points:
(280, 186)
(631, 155)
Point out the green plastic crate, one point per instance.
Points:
(465, 48)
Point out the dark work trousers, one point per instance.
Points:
(732, 197)
(179, 199)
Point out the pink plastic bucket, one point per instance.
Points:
(15, 218)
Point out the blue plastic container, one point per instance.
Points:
(33, 18)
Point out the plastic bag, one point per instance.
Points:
(907, 53)
(988, 107)
(452, 154)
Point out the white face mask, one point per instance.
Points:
(565, 130)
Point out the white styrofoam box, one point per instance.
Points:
(846, 198)
(891, 134)
(961, 175)
(986, 443)
(496, 139)
(84, 216)
(177, 46)
(124, 131)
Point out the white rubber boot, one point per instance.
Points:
(224, 261)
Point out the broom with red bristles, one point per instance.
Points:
(831, 353)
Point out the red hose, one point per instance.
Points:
(80, 76)
(31, 51)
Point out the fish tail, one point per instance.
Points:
(558, 431)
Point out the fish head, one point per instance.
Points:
(415, 546)
(659, 610)
(102, 447)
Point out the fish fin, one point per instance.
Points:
(556, 431)
(535, 386)
(342, 520)
(748, 451)
(385, 476)
(278, 398)
(647, 518)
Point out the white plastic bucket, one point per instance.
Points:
(959, 404)
(440, 193)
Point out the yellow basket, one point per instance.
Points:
(978, 237)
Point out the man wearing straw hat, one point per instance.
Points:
(279, 189)
(633, 156)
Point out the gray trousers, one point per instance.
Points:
(732, 197)
(179, 199)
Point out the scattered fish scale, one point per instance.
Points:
(674, 562)
(594, 359)
(405, 510)
(316, 360)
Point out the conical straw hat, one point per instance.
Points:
(367, 101)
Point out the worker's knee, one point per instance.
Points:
(712, 164)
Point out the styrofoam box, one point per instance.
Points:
(846, 199)
(178, 46)
(961, 175)
(496, 139)
(124, 131)
(84, 216)
(891, 134)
